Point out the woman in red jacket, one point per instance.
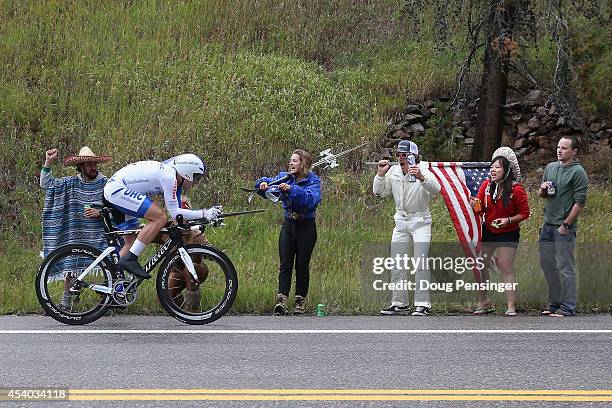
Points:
(504, 203)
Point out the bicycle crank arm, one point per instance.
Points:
(101, 289)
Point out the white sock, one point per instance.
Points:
(137, 247)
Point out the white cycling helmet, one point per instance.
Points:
(188, 166)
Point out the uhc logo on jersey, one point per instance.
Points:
(133, 194)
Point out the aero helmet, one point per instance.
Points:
(188, 166)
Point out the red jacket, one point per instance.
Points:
(519, 204)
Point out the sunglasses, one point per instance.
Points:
(197, 177)
(404, 155)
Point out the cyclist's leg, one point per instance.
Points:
(135, 205)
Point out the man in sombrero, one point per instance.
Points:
(67, 217)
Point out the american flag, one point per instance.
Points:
(459, 181)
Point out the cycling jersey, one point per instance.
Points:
(129, 190)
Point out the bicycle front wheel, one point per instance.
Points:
(56, 275)
(194, 303)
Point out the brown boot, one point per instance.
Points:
(300, 305)
(192, 300)
(281, 304)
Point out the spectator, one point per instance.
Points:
(564, 186)
(67, 216)
(505, 204)
(300, 196)
(412, 186)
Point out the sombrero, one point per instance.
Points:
(85, 155)
(508, 153)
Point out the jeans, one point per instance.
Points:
(559, 267)
(411, 230)
(295, 244)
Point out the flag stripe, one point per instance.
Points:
(459, 181)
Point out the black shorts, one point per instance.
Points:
(503, 239)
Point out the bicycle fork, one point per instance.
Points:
(188, 263)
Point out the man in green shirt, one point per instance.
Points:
(564, 186)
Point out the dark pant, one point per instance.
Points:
(559, 266)
(296, 242)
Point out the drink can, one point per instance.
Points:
(321, 310)
(411, 161)
(86, 206)
(477, 205)
(552, 188)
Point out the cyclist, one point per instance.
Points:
(129, 191)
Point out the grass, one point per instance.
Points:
(241, 83)
(350, 223)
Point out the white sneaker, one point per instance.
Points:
(421, 311)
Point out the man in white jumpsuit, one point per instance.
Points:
(412, 186)
(129, 191)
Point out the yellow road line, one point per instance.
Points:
(337, 391)
(204, 397)
(339, 395)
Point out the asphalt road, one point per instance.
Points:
(251, 355)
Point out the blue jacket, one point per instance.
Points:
(303, 197)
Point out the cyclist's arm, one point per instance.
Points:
(170, 186)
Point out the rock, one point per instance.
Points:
(536, 97)
(413, 109)
(566, 130)
(608, 133)
(540, 170)
(429, 104)
(522, 128)
(385, 153)
(401, 135)
(595, 127)
(517, 118)
(411, 118)
(547, 119)
(391, 142)
(520, 143)
(591, 119)
(552, 110)
(541, 111)
(533, 123)
(469, 140)
(515, 106)
(544, 141)
(542, 151)
(545, 127)
(417, 129)
(433, 111)
(471, 132)
(561, 121)
(600, 135)
(522, 151)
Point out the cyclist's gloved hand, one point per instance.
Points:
(212, 214)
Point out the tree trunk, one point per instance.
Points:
(494, 83)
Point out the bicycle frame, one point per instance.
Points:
(176, 240)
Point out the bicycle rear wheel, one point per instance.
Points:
(55, 276)
(189, 302)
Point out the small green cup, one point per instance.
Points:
(321, 310)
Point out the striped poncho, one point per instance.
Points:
(63, 221)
